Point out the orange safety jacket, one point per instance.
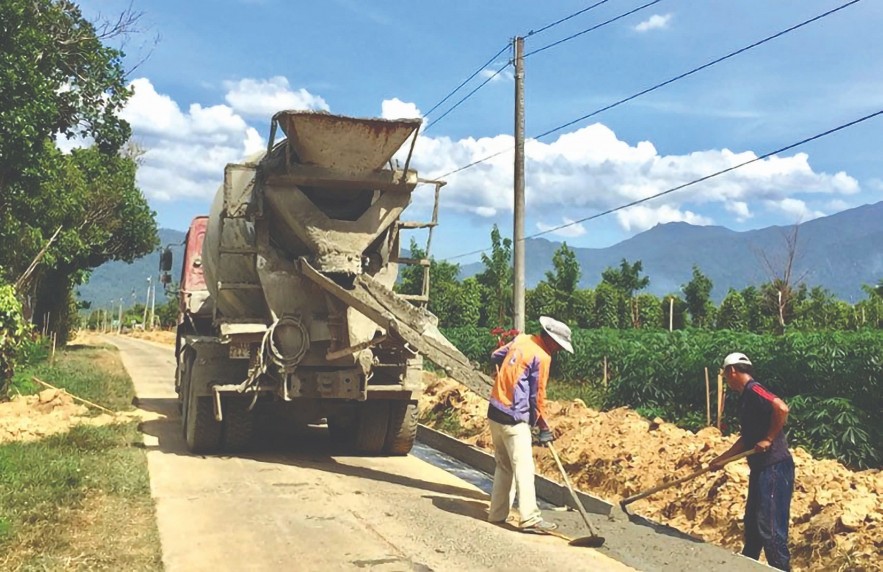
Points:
(520, 385)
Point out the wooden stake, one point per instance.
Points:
(52, 355)
(720, 390)
(95, 405)
(707, 400)
(605, 372)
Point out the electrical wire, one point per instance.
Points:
(468, 79)
(566, 18)
(593, 28)
(467, 96)
(655, 87)
(693, 182)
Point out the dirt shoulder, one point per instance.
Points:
(836, 514)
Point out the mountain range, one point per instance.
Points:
(840, 253)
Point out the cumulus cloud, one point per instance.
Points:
(794, 209)
(397, 109)
(581, 173)
(591, 170)
(655, 22)
(571, 230)
(185, 151)
(264, 97)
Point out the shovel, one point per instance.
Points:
(593, 541)
(691, 476)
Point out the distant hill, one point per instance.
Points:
(840, 252)
(114, 280)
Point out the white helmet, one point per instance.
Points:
(559, 332)
(736, 357)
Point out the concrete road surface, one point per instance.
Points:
(302, 508)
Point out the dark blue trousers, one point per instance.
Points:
(768, 512)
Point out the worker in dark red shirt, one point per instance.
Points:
(762, 416)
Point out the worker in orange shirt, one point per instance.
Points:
(517, 405)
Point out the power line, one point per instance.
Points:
(479, 70)
(659, 85)
(468, 79)
(695, 181)
(593, 28)
(566, 18)
(700, 68)
(468, 95)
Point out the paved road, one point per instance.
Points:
(303, 508)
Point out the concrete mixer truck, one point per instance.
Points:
(286, 292)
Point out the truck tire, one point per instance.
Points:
(402, 428)
(342, 429)
(238, 424)
(201, 431)
(372, 427)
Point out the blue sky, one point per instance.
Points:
(206, 91)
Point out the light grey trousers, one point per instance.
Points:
(514, 474)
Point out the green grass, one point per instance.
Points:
(88, 372)
(79, 500)
(592, 394)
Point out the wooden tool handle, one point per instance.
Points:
(691, 476)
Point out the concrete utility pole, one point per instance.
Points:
(120, 324)
(146, 305)
(518, 230)
(152, 302)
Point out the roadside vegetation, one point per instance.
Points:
(78, 500)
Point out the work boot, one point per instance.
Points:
(541, 526)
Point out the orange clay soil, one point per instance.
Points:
(836, 514)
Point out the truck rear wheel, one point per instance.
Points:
(201, 432)
(402, 428)
(372, 427)
(238, 424)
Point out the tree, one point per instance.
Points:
(783, 276)
(648, 309)
(555, 296)
(454, 304)
(732, 314)
(58, 78)
(496, 281)
(610, 307)
(627, 280)
(698, 296)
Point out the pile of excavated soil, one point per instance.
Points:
(52, 411)
(836, 514)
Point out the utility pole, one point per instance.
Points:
(152, 303)
(146, 305)
(518, 230)
(120, 324)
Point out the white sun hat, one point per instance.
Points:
(736, 357)
(559, 331)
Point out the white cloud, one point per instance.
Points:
(581, 173)
(397, 109)
(795, 210)
(740, 209)
(655, 22)
(572, 230)
(590, 170)
(185, 152)
(642, 217)
(499, 74)
(264, 97)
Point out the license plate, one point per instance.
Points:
(239, 350)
